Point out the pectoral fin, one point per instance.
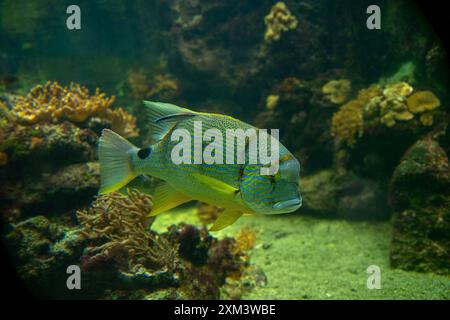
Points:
(166, 198)
(226, 218)
(218, 186)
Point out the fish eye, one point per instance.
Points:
(144, 153)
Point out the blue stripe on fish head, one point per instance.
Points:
(275, 194)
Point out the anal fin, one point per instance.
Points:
(166, 198)
(226, 218)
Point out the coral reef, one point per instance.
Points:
(123, 250)
(387, 105)
(49, 167)
(53, 103)
(420, 198)
(337, 91)
(279, 20)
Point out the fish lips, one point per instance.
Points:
(288, 205)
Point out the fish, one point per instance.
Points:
(240, 187)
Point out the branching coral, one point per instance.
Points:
(121, 220)
(279, 20)
(53, 103)
(337, 91)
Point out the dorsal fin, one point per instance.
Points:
(157, 112)
(175, 117)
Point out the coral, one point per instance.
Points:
(420, 198)
(42, 159)
(162, 86)
(193, 243)
(388, 105)
(279, 20)
(272, 101)
(347, 123)
(391, 106)
(53, 103)
(426, 119)
(423, 101)
(245, 240)
(122, 221)
(337, 91)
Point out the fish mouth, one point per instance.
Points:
(288, 205)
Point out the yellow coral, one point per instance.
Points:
(365, 95)
(389, 103)
(279, 20)
(401, 89)
(422, 101)
(426, 119)
(53, 103)
(347, 123)
(337, 91)
(272, 101)
(245, 240)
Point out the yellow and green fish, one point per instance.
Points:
(240, 188)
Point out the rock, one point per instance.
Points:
(420, 198)
(42, 250)
(346, 196)
(319, 193)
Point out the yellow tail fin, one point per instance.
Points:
(116, 168)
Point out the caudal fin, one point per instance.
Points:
(116, 168)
